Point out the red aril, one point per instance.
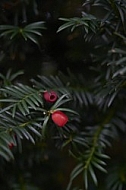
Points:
(11, 145)
(59, 118)
(50, 96)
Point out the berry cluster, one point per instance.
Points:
(58, 117)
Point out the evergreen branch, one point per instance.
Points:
(90, 159)
(21, 127)
(96, 140)
(116, 177)
(87, 21)
(22, 98)
(71, 84)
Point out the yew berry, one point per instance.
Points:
(50, 96)
(11, 145)
(59, 118)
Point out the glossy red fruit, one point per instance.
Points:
(50, 96)
(59, 118)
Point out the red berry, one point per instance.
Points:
(11, 145)
(50, 96)
(59, 118)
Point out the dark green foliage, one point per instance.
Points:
(94, 101)
(28, 116)
(28, 32)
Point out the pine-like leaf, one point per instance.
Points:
(22, 98)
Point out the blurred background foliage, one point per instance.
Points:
(55, 51)
(81, 44)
